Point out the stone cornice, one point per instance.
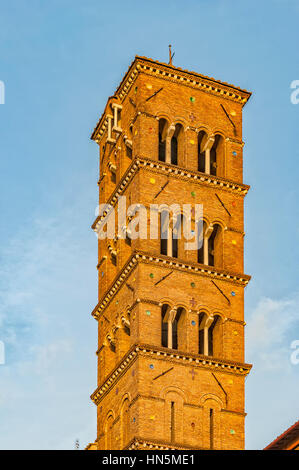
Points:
(172, 356)
(174, 74)
(138, 443)
(178, 172)
(169, 263)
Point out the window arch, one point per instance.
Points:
(176, 235)
(164, 233)
(202, 138)
(209, 335)
(174, 150)
(211, 154)
(170, 233)
(201, 339)
(201, 250)
(210, 252)
(125, 422)
(176, 145)
(174, 415)
(164, 325)
(108, 432)
(178, 330)
(215, 337)
(172, 326)
(216, 154)
(215, 246)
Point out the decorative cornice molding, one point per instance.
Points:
(178, 357)
(174, 74)
(169, 263)
(176, 171)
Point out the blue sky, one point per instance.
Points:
(59, 61)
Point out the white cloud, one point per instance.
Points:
(272, 385)
(268, 332)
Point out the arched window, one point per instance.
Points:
(174, 417)
(209, 335)
(170, 234)
(215, 337)
(162, 139)
(176, 235)
(202, 137)
(214, 247)
(177, 145)
(164, 325)
(217, 157)
(174, 150)
(164, 232)
(125, 423)
(201, 249)
(172, 327)
(201, 338)
(211, 154)
(176, 330)
(126, 324)
(108, 433)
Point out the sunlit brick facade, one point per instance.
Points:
(171, 368)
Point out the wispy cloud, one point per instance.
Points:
(269, 332)
(272, 386)
(47, 290)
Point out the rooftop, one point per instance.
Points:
(288, 437)
(172, 73)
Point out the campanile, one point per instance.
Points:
(171, 370)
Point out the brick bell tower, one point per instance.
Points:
(171, 369)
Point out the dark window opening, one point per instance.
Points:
(127, 330)
(201, 154)
(164, 326)
(174, 151)
(200, 335)
(164, 226)
(211, 336)
(129, 152)
(128, 240)
(200, 251)
(211, 428)
(162, 148)
(176, 234)
(213, 156)
(172, 422)
(175, 329)
(211, 245)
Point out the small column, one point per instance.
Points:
(207, 147)
(170, 133)
(206, 341)
(169, 242)
(169, 333)
(109, 137)
(207, 161)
